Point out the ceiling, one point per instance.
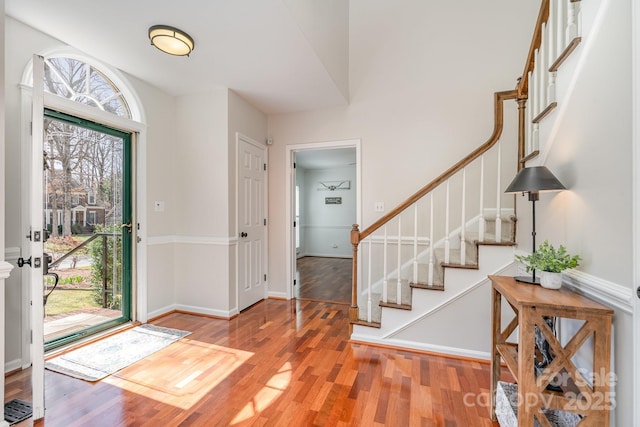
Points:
(254, 47)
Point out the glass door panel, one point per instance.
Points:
(87, 213)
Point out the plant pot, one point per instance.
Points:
(551, 280)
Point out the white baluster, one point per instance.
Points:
(446, 227)
(578, 9)
(463, 250)
(536, 84)
(499, 196)
(529, 124)
(541, 63)
(415, 243)
(552, 33)
(369, 284)
(561, 19)
(399, 281)
(481, 224)
(535, 136)
(551, 89)
(572, 26)
(385, 281)
(431, 242)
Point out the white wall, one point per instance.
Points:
(204, 181)
(422, 78)
(325, 227)
(589, 149)
(325, 24)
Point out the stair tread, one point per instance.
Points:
(394, 305)
(365, 323)
(433, 287)
(458, 265)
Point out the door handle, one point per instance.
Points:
(243, 234)
(22, 262)
(37, 262)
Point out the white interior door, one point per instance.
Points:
(251, 221)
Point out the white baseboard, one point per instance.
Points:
(431, 348)
(329, 255)
(193, 309)
(13, 365)
(277, 295)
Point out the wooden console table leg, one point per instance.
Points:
(496, 322)
(528, 396)
(602, 371)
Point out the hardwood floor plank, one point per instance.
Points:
(279, 363)
(323, 279)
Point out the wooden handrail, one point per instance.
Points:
(498, 97)
(543, 16)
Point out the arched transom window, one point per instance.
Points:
(81, 82)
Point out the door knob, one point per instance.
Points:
(243, 234)
(22, 262)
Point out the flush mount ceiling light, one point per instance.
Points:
(171, 40)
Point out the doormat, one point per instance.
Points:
(17, 410)
(95, 361)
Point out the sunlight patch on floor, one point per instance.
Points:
(181, 374)
(276, 385)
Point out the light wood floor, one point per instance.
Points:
(323, 279)
(279, 363)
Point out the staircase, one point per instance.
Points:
(420, 272)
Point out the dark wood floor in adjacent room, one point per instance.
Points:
(279, 363)
(323, 279)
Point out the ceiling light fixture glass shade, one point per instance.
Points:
(171, 40)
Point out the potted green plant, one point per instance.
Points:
(551, 262)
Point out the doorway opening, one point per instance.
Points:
(88, 229)
(323, 204)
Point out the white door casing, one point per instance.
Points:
(251, 221)
(290, 190)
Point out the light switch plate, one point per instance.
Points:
(158, 206)
(378, 207)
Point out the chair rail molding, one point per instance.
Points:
(191, 240)
(5, 270)
(604, 291)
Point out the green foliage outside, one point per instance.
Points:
(548, 258)
(113, 265)
(50, 281)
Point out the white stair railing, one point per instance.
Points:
(557, 33)
(560, 35)
(420, 250)
(415, 248)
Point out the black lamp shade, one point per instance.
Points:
(536, 178)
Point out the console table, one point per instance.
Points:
(532, 303)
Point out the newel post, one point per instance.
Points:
(355, 241)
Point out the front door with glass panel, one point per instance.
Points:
(87, 213)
